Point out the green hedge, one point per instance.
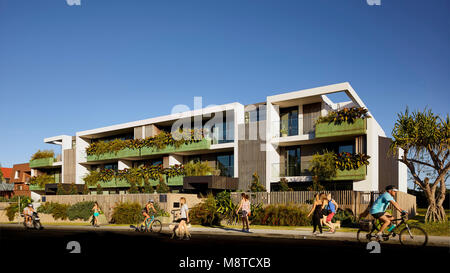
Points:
(81, 210)
(281, 215)
(130, 213)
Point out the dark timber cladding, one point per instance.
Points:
(252, 154)
(211, 182)
(387, 164)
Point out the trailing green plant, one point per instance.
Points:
(348, 161)
(43, 154)
(348, 115)
(42, 180)
(160, 141)
(256, 186)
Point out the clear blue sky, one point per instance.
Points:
(70, 68)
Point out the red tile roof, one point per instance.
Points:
(7, 172)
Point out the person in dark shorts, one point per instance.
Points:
(378, 209)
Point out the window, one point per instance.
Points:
(292, 166)
(225, 163)
(111, 166)
(289, 121)
(346, 148)
(193, 158)
(16, 175)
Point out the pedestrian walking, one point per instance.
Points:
(316, 211)
(244, 206)
(96, 209)
(331, 208)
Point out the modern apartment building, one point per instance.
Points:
(274, 139)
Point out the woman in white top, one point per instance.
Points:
(184, 211)
(245, 206)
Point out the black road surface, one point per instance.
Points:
(223, 252)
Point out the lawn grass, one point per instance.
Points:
(433, 229)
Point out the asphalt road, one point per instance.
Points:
(269, 254)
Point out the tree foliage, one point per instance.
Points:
(256, 186)
(424, 138)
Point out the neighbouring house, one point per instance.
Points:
(21, 174)
(275, 139)
(6, 174)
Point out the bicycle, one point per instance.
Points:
(149, 225)
(409, 235)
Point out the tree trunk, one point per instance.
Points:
(435, 211)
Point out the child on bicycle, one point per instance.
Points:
(378, 210)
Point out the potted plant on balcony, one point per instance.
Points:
(284, 132)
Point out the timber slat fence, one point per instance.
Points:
(354, 201)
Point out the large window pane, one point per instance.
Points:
(225, 163)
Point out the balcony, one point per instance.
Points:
(326, 129)
(203, 144)
(122, 183)
(279, 171)
(42, 162)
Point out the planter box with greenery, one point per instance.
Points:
(327, 129)
(203, 144)
(42, 162)
(122, 183)
(36, 188)
(126, 152)
(358, 174)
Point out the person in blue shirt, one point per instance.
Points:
(378, 209)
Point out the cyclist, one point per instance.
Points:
(149, 210)
(378, 209)
(28, 213)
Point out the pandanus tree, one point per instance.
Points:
(425, 139)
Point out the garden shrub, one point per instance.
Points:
(205, 213)
(13, 208)
(346, 217)
(81, 210)
(281, 215)
(127, 213)
(59, 211)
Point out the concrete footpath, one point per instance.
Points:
(272, 233)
